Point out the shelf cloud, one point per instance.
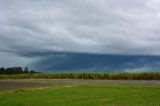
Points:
(38, 28)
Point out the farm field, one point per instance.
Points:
(51, 92)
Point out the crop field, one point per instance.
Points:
(50, 92)
(91, 76)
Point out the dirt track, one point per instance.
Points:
(32, 83)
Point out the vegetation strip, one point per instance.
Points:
(92, 76)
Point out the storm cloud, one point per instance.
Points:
(88, 26)
(76, 62)
(38, 28)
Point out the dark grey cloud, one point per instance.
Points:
(97, 63)
(36, 30)
(87, 26)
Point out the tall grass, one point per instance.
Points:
(92, 76)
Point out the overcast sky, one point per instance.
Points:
(31, 29)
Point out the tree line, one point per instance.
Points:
(15, 70)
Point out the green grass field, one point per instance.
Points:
(78, 93)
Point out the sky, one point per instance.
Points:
(80, 35)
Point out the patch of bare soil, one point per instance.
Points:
(9, 85)
(39, 83)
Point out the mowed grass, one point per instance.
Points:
(85, 93)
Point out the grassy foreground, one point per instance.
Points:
(79, 93)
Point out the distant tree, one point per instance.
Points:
(2, 70)
(26, 70)
(20, 70)
(32, 71)
(15, 70)
(9, 71)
